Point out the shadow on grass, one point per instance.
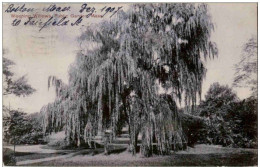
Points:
(89, 151)
(22, 156)
(171, 160)
(116, 151)
(23, 153)
(97, 151)
(229, 159)
(72, 146)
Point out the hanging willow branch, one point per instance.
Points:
(116, 80)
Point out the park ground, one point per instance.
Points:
(200, 155)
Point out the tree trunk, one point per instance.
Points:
(14, 145)
(146, 147)
(106, 146)
(100, 124)
(78, 142)
(133, 142)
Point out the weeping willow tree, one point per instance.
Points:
(133, 69)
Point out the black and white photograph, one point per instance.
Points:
(129, 84)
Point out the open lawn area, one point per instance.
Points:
(200, 155)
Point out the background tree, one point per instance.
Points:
(218, 102)
(230, 121)
(246, 69)
(18, 87)
(17, 126)
(34, 132)
(243, 122)
(21, 128)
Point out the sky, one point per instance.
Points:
(51, 51)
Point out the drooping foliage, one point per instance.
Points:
(133, 70)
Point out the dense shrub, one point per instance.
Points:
(31, 138)
(8, 157)
(193, 127)
(21, 128)
(229, 121)
(56, 139)
(243, 120)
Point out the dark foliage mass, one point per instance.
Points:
(230, 121)
(193, 127)
(243, 120)
(20, 128)
(8, 157)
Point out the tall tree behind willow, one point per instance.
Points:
(121, 66)
(246, 68)
(18, 87)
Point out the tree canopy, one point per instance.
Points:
(229, 120)
(15, 125)
(246, 68)
(120, 68)
(21, 128)
(14, 122)
(18, 87)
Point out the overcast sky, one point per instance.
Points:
(51, 51)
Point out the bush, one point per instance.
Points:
(58, 143)
(31, 138)
(230, 121)
(8, 157)
(57, 140)
(193, 128)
